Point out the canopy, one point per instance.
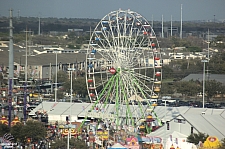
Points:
(117, 146)
(178, 140)
(15, 121)
(4, 120)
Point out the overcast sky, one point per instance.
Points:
(192, 9)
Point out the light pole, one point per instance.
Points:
(165, 123)
(25, 84)
(71, 98)
(56, 70)
(203, 84)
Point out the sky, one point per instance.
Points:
(97, 9)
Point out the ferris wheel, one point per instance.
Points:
(124, 70)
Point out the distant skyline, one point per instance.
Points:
(97, 9)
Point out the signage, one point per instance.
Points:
(212, 142)
(99, 115)
(212, 139)
(112, 70)
(103, 135)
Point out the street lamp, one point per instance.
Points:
(165, 122)
(56, 70)
(203, 84)
(71, 98)
(25, 84)
(71, 82)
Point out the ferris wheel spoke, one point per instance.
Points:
(143, 88)
(124, 83)
(137, 95)
(143, 77)
(137, 102)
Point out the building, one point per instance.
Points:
(199, 77)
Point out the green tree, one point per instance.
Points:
(17, 133)
(74, 143)
(167, 88)
(194, 49)
(222, 144)
(167, 72)
(187, 88)
(79, 86)
(34, 130)
(212, 87)
(59, 144)
(196, 137)
(61, 76)
(4, 129)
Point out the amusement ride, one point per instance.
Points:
(123, 74)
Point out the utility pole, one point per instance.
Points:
(39, 26)
(162, 28)
(152, 21)
(11, 65)
(56, 71)
(181, 30)
(71, 98)
(171, 26)
(25, 83)
(203, 83)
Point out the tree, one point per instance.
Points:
(34, 130)
(4, 129)
(167, 72)
(17, 133)
(79, 86)
(212, 87)
(187, 88)
(167, 88)
(74, 143)
(59, 144)
(61, 76)
(196, 137)
(222, 144)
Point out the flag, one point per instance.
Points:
(27, 106)
(54, 105)
(200, 144)
(103, 110)
(176, 141)
(171, 138)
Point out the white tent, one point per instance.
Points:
(177, 139)
(187, 120)
(117, 146)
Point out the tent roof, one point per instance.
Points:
(176, 134)
(117, 146)
(208, 121)
(59, 109)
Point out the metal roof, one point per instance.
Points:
(217, 77)
(41, 59)
(209, 121)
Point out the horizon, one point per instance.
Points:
(192, 10)
(208, 21)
